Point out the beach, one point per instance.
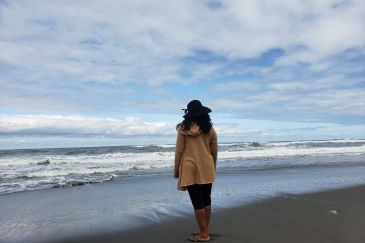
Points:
(311, 191)
(247, 206)
(328, 216)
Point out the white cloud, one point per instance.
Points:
(78, 126)
(287, 104)
(81, 126)
(143, 35)
(49, 49)
(236, 86)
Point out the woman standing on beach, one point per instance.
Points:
(195, 162)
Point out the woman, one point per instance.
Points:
(195, 162)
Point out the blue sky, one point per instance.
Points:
(96, 73)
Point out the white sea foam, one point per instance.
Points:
(263, 143)
(153, 157)
(79, 171)
(287, 151)
(102, 158)
(166, 145)
(339, 141)
(73, 167)
(158, 145)
(117, 162)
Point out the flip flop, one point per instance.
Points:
(196, 233)
(197, 240)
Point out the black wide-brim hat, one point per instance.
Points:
(195, 108)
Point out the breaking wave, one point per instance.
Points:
(46, 168)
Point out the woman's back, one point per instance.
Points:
(196, 155)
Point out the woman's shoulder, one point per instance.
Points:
(212, 131)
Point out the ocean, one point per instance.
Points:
(35, 169)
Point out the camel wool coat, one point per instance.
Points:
(195, 157)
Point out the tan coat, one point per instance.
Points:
(195, 157)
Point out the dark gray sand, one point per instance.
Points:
(330, 216)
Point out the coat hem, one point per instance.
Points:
(184, 186)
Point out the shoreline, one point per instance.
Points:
(336, 215)
(134, 204)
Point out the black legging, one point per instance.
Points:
(200, 195)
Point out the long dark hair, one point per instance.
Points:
(204, 122)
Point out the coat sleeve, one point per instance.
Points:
(180, 146)
(214, 148)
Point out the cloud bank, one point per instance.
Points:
(278, 60)
(56, 125)
(81, 126)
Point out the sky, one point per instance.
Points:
(111, 72)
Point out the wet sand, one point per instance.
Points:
(329, 216)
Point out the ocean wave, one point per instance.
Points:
(88, 170)
(82, 182)
(245, 145)
(122, 162)
(51, 182)
(290, 143)
(104, 158)
(166, 145)
(164, 157)
(58, 170)
(287, 151)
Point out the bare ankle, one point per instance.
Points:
(206, 235)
